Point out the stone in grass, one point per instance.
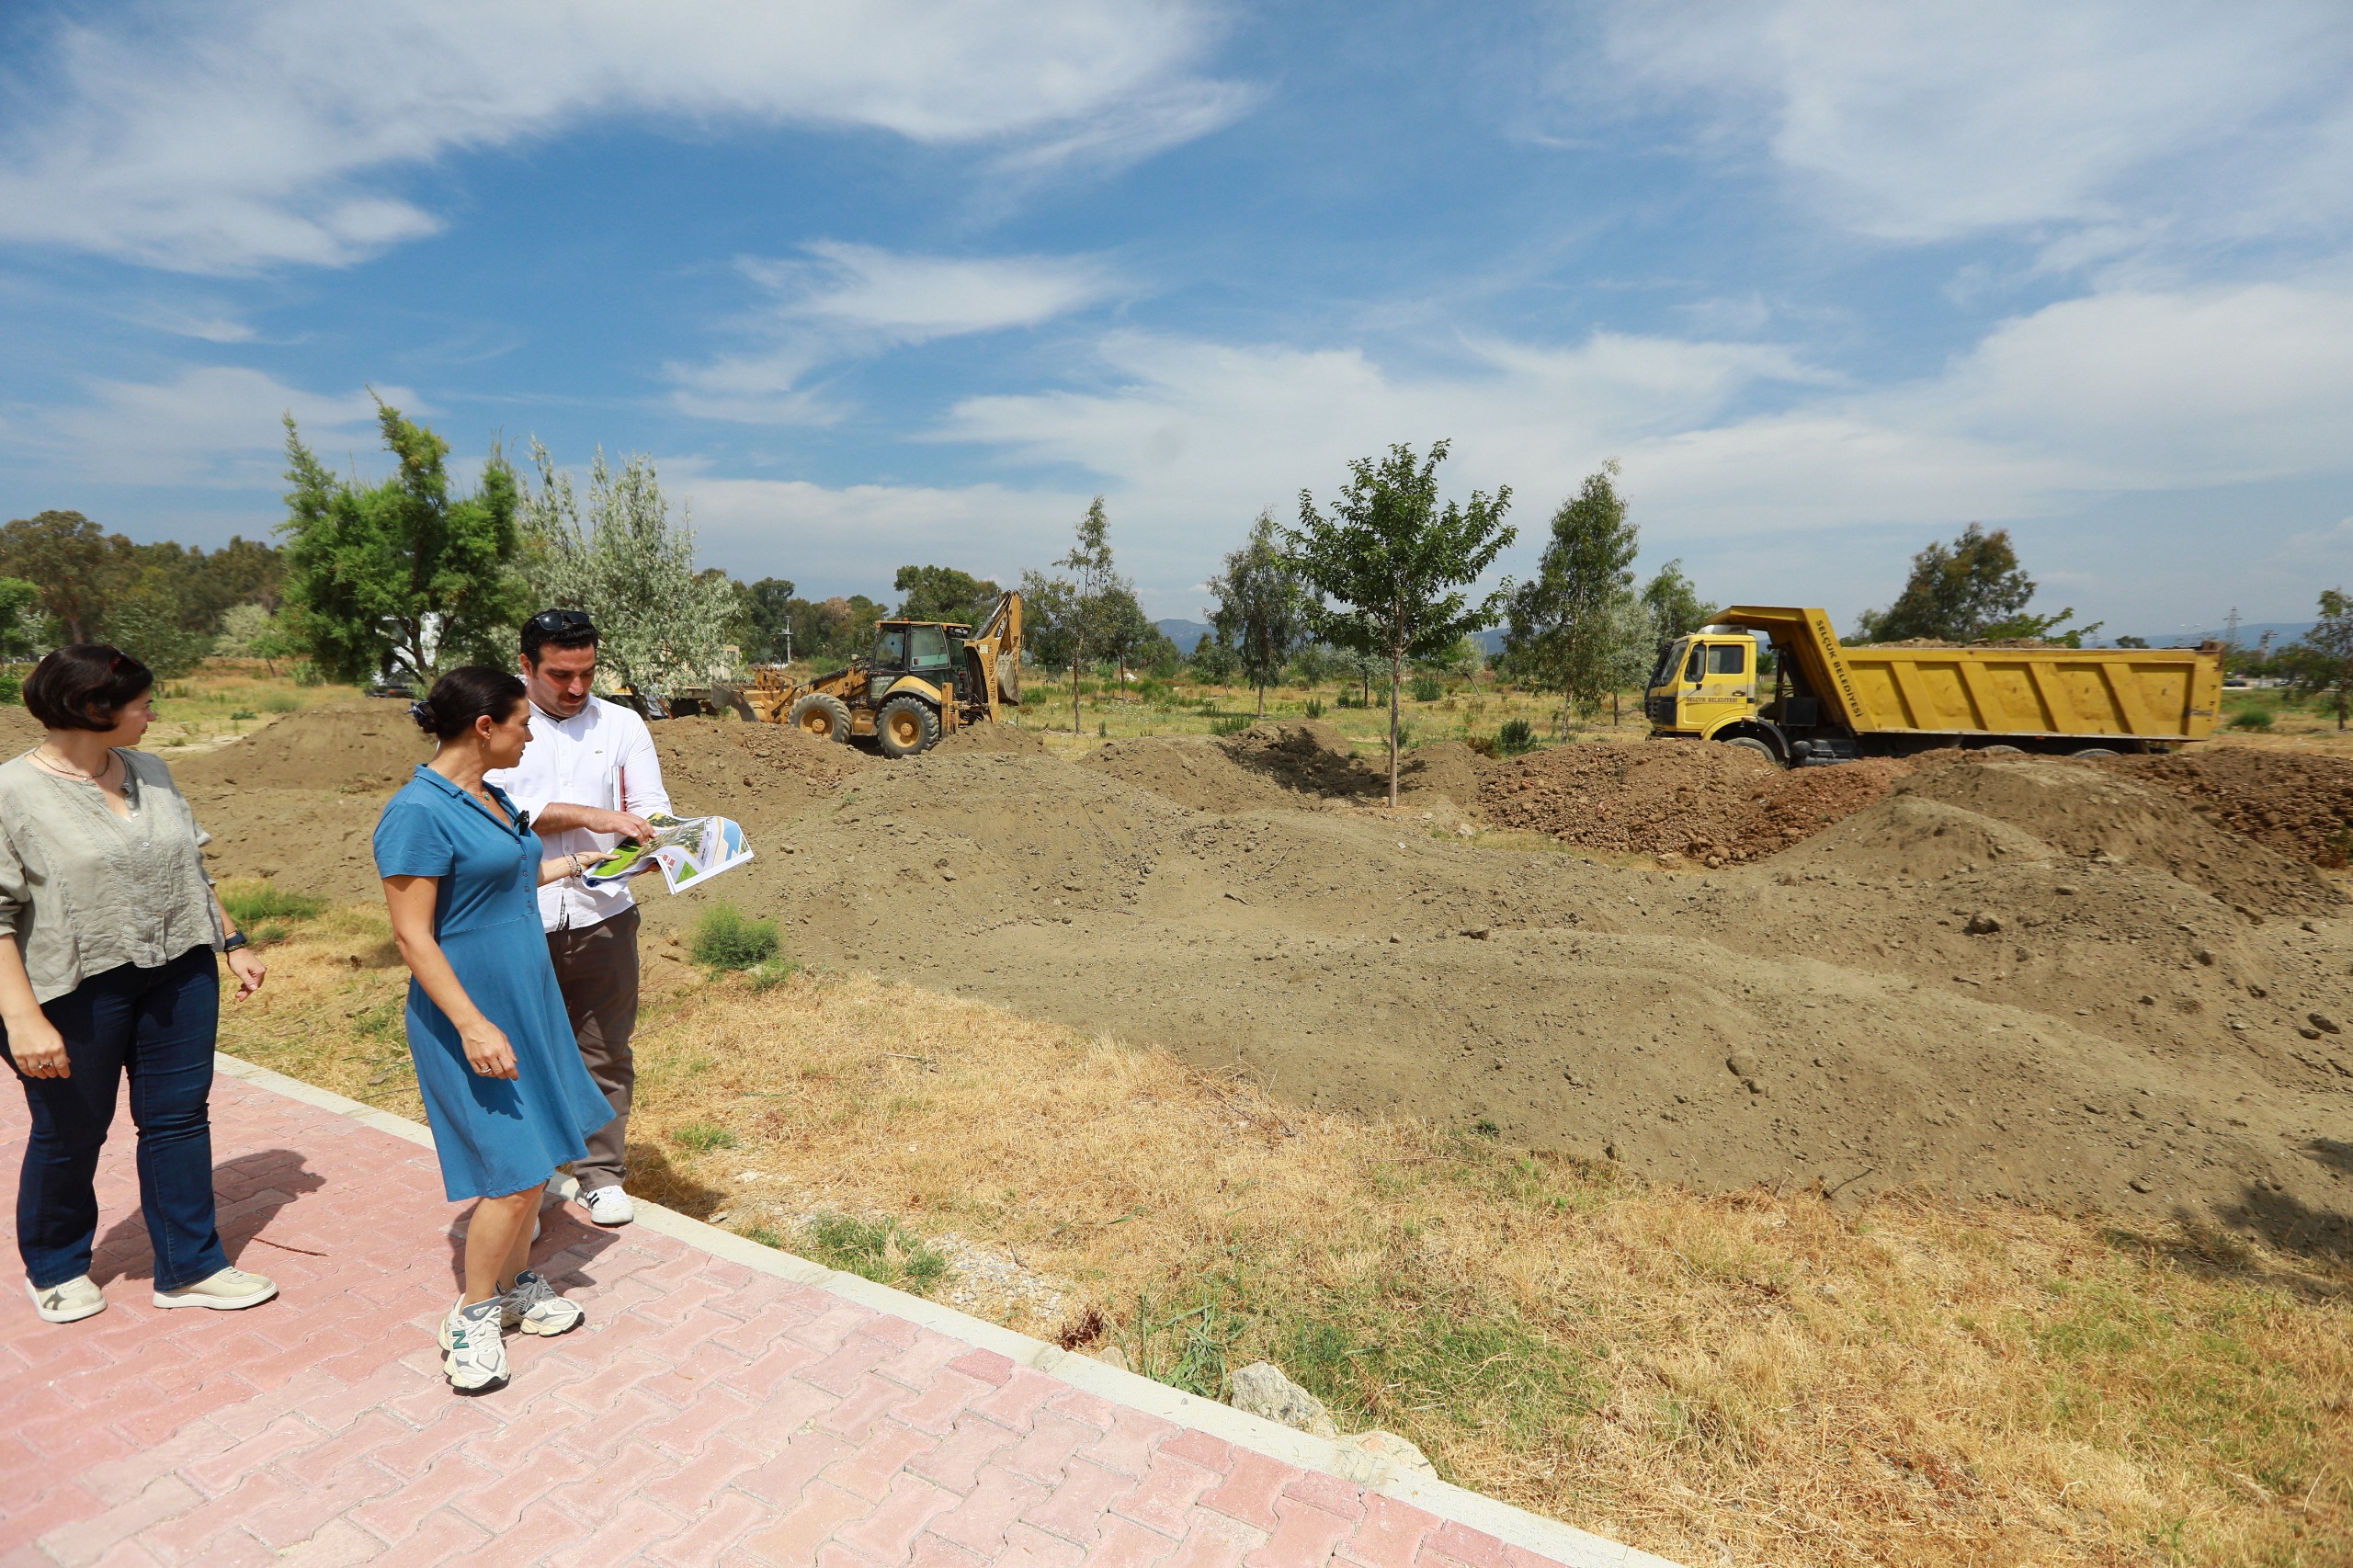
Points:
(1400, 1452)
(1260, 1389)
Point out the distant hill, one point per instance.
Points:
(1186, 634)
(2250, 633)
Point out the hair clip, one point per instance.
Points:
(420, 712)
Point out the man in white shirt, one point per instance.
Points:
(589, 778)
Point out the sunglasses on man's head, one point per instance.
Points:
(555, 620)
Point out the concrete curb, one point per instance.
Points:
(1516, 1527)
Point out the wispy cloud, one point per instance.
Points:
(213, 427)
(267, 132)
(843, 301)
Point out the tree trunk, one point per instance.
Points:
(1396, 674)
(1074, 695)
(1613, 707)
(1262, 702)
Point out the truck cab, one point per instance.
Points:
(1703, 683)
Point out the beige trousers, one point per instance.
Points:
(595, 968)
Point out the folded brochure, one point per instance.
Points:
(690, 851)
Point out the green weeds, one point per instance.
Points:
(880, 1250)
(725, 938)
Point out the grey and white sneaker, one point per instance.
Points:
(533, 1307)
(474, 1354)
(609, 1206)
(76, 1299)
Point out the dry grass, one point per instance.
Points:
(1746, 1379)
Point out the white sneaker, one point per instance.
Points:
(609, 1206)
(230, 1290)
(76, 1299)
(474, 1356)
(535, 1307)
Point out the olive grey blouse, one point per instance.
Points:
(83, 889)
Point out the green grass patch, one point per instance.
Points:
(2253, 718)
(1233, 725)
(726, 938)
(880, 1250)
(250, 904)
(703, 1137)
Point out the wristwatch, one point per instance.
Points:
(236, 939)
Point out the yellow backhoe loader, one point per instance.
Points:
(924, 679)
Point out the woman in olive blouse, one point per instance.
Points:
(107, 928)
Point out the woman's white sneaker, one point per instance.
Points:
(473, 1353)
(229, 1290)
(533, 1307)
(76, 1299)
(609, 1206)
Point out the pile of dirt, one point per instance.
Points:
(348, 747)
(2010, 976)
(1720, 805)
(1010, 738)
(19, 731)
(2299, 804)
(2093, 812)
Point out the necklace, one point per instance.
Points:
(67, 770)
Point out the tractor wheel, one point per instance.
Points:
(906, 726)
(1750, 743)
(821, 717)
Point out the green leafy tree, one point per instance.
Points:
(1386, 571)
(1972, 590)
(943, 593)
(147, 626)
(70, 559)
(253, 632)
(765, 612)
(1568, 623)
(20, 621)
(2321, 663)
(660, 622)
(400, 578)
(1261, 607)
(1213, 662)
(1049, 633)
(1124, 634)
(1676, 610)
(1076, 616)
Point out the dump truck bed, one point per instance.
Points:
(2146, 694)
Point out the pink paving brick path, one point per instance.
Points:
(709, 1412)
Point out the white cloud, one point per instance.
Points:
(852, 300)
(847, 540)
(212, 426)
(263, 132)
(2117, 122)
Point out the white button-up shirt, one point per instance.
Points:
(601, 757)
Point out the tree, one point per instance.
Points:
(2321, 663)
(660, 622)
(147, 627)
(70, 558)
(1385, 572)
(1075, 617)
(400, 578)
(1261, 609)
(1676, 610)
(253, 632)
(763, 612)
(943, 593)
(20, 619)
(1956, 592)
(1122, 632)
(1566, 624)
(1214, 663)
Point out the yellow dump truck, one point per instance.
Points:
(1827, 703)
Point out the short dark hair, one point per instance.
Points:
(84, 685)
(465, 694)
(558, 629)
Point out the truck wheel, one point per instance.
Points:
(821, 717)
(2094, 751)
(906, 726)
(1750, 743)
(2002, 751)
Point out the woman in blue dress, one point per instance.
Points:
(506, 1092)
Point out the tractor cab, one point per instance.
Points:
(918, 648)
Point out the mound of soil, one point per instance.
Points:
(2014, 976)
(1007, 738)
(2093, 812)
(1719, 804)
(346, 747)
(2299, 804)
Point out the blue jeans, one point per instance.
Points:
(158, 1024)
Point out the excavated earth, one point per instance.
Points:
(2059, 983)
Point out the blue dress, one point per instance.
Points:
(495, 1136)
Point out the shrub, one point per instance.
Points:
(702, 1137)
(250, 904)
(1429, 689)
(243, 714)
(281, 702)
(880, 1250)
(2253, 718)
(1315, 708)
(723, 938)
(1233, 725)
(1516, 736)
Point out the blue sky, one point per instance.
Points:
(888, 282)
